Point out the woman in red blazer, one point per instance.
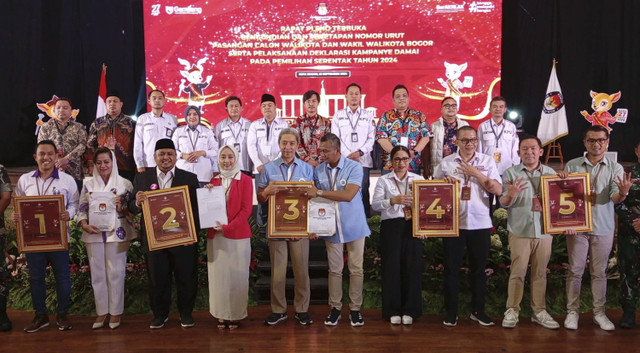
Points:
(229, 246)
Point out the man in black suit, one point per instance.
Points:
(179, 261)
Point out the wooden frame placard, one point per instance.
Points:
(566, 203)
(436, 205)
(288, 210)
(168, 218)
(40, 228)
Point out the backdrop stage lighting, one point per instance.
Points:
(201, 52)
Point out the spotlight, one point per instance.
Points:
(515, 117)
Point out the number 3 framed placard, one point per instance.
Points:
(435, 208)
(288, 210)
(168, 218)
(565, 203)
(40, 228)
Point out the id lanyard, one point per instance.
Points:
(290, 172)
(43, 182)
(193, 143)
(595, 180)
(312, 127)
(235, 135)
(406, 186)
(494, 132)
(163, 185)
(332, 186)
(536, 190)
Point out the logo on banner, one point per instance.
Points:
(481, 7)
(322, 9)
(601, 103)
(189, 10)
(169, 10)
(155, 9)
(449, 8)
(553, 102)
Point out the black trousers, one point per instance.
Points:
(478, 243)
(366, 198)
(179, 261)
(401, 269)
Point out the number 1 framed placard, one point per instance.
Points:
(168, 218)
(40, 227)
(565, 203)
(436, 204)
(288, 210)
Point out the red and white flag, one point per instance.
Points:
(101, 108)
(553, 120)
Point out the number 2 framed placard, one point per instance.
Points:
(40, 227)
(436, 205)
(566, 203)
(288, 210)
(168, 218)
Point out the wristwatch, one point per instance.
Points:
(320, 192)
(361, 153)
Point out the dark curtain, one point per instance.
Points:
(597, 45)
(51, 46)
(58, 47)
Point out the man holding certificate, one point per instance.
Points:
(609, 186)
(479, 177)
(287, 168)
(339, 179)
(522, 197)
(177, 261)
(48, 180)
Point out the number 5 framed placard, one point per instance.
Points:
(288, 216)
(40, 228)
(168, 218)
(565, 203)
(435, 208)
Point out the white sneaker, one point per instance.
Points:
(603, 321)
(571, 322)
(545, 320)
(510, 318)
(396, 320)
(407, 320)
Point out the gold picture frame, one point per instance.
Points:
(168, 218)
(429, 217)
(288, 210)
(40, 228)
(566, 203)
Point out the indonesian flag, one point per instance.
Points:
(101, 108)
(553, 120)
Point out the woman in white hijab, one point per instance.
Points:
(229, 246)
(106, 232)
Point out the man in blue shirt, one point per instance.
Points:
(287, 168)
(339, 179)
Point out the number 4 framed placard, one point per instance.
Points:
(435, 208)
(168, 218)
(40, 227)
(566, 203)
(288, 210)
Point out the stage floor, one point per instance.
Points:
(427, 334)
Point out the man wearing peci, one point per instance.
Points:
(177, 262)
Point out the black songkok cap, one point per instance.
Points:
(268, 98)
(164, 143)
(113, 93)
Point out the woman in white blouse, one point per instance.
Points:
(196, 146)
(106, 233)
(401, 253)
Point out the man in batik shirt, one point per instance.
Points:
(403, 126)
(311, 127)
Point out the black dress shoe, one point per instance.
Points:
(628, 319)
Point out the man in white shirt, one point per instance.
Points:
(498, 138)
(151, 127)
(356, 130)
(48, 180)
(233, 131)
(478, 176)
(262, 143)
(443, 141)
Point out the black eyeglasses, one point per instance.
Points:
(447, 106)
(468, 141)
(404, 159)
(598, 141)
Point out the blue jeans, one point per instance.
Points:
(37, 263)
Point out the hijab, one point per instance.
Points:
(186, 113)
(229, 174)
(112, 184)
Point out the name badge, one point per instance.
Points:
(354, 137)
(407, 213)
(466, 193)
(497, 156)
(169, 132)
(536, 204)
(404, 141)
(237, 147)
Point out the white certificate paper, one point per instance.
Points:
(212, 206)
(322, 217)
(102, 210)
